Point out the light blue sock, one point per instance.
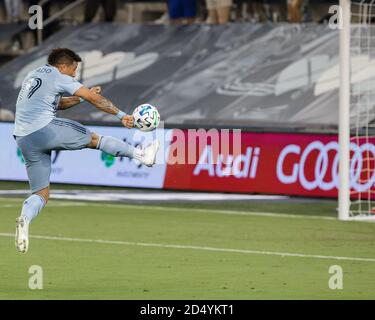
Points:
(116, 147)
(32, 206)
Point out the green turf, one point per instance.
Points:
(80, 270)
(304, 208)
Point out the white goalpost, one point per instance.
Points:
(357, 110)
(344, 112)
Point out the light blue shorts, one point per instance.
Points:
(59, 134)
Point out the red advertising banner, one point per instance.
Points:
(269, 163)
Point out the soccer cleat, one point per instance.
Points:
(149, 154)
(22, 234)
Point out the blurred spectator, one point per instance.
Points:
(295, 10)
(201, 11)
(306, 11)
(218, 11)
(13, 10)
(182, 11)
(164, 19)
(268, 12)
(243, 9)
(258, 10)
(92, 6)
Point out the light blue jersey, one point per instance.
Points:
(39, 98)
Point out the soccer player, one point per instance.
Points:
(38, 131)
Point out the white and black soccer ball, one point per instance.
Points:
(146, 117)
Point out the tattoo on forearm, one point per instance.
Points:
(68, 102)
(106, 106)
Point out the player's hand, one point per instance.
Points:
(96, 90)
(128, 121)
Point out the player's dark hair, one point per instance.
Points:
(63, 56)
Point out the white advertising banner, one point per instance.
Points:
(12, 166)
(91, 166)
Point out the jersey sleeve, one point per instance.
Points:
(65, 83)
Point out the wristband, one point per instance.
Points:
(121, 115)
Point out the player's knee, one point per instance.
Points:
(44, 194)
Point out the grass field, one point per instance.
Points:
(178, 251)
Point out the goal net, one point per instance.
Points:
(357, 110)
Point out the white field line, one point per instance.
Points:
(161, 208)
(84, 195)
(189, 247)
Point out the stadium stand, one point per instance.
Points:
(197, 89)
(246, 75)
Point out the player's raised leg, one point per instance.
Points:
(118, 148)
(71, 135)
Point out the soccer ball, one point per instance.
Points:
(146, 117)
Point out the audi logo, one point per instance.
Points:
(321, 178)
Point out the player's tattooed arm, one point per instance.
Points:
(68, 102)
(103, 104)
(97, 100)
(107, 106)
